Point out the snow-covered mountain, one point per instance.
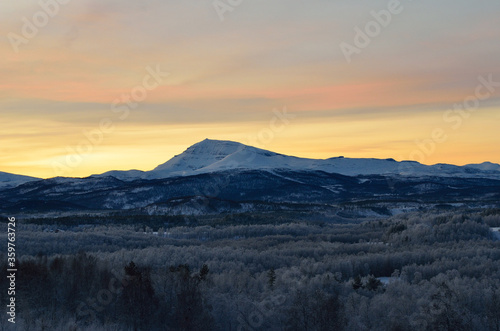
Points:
(8, 180)
(127, 175)
(210, 156)
(222, 176)
(485, 166)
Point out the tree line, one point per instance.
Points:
(420, 271)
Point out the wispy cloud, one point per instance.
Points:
(230, 74)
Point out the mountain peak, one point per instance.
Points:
(216, 146)
(210, 155)
(200, 155)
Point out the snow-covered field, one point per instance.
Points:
(496, 232)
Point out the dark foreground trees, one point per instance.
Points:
(439, 272)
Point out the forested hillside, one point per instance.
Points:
(419, 271)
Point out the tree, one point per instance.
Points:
(444, 312)
(190, 311)
(315, 311)
(493, 310)
(138, 296)
(204, 272)
(356, 283)
(372, 283)
(271, 278)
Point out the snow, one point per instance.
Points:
(123, 175)
(486, 166)
(387, 280)
(210, 156)
(8, 180)
(214, 155)
(496, 233)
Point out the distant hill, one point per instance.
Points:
(8, 180)
(224, 177)
(210, 156)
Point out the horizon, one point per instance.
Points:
(90, 87)
(218, 140)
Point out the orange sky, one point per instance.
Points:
(225, 78)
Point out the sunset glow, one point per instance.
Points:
(139, 82)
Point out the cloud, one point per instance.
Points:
(229, 74)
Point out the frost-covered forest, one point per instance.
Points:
(416, 271)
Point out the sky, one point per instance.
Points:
(95, 85)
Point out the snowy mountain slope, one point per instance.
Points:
(234, 177)
(126, 175)
(235, 189)
(485, 166)
(201, 155)
(215, 155)
(8, 180)
(210, 156)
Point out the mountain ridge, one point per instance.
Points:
(8, 180)
(215, 176)
(210, 156)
